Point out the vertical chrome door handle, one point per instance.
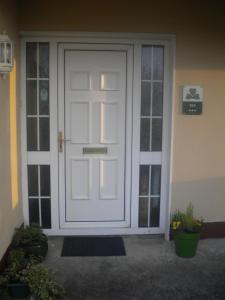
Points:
(61, 141)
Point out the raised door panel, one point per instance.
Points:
(79, 122)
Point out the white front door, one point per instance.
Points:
(94, 129)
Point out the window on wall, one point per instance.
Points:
(151, 98)
(38, 132)
(149, 191)
(39, 195)
(37, 92)
(151, 122)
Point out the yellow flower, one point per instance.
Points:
(176, 224)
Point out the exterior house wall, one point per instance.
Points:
(198, 142)
(11, 206)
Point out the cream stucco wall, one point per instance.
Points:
(10, 202)
(198, 156)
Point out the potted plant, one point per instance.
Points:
(12, 278)
(32, 240)
(186, 230)
(24, 276)
(42, 283)
(3, 288)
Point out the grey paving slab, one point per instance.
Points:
(150, 271)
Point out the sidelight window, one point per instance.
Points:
(151, 121)
(37, 95)
(38, 132)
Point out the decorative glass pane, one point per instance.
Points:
(154, 212)
(158, 54)
(31, 97)
(146, 63)
(34, 171)
(46, 213)
(45, 180)
(43, 60)
(145, 98)
(44, 134)
(31, 60)
(157, 99)
(43, 97)
(145, 134)
(8, 53)
(32, 134)
(144, 180)
(143, 211)
(155, 180)
(156, 135)
(32, 180)
(2, 54)
(34, 211)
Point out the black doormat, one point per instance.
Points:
(93, 246)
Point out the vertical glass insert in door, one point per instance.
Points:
(38, 133)
(37, 94)
(151, 121)
(39, 195)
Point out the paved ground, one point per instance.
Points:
(150, 271)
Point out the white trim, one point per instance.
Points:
(166, 140)
(42, 158)
(155, 158)
(103, 35)
(39, 193)
(171, 92)
(54, 133)
(136, 136)
(136, 40)
(24, 183)
(102, 231)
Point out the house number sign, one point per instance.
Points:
(192, 100)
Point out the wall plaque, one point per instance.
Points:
(192, 100)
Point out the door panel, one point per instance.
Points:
(80, 173)
(108, 123)
(79, 122)
(95, 117)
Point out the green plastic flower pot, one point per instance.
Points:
(18, 290)
(186, 243)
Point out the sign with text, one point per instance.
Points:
(192, 100)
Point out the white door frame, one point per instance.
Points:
(51, 158)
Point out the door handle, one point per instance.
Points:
(61, 141)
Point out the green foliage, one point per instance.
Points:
(40, 280)
(177, 216)
(4, 293)
(16, 256)
(16, 262)
(3, 287)
(3, 281)
(42, 283)
(186, 222)
(28, 235)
